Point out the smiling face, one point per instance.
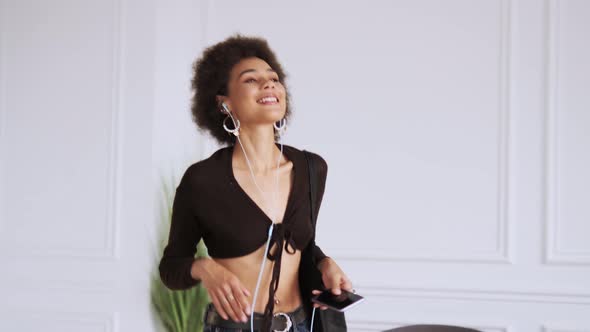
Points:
(255, 94)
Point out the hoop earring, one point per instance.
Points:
(236, 129)
(283, 125)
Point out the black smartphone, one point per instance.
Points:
(342, 302)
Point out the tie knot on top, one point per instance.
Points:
(282, 236)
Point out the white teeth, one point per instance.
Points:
(267, 100)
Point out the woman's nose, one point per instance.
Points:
(269, 83)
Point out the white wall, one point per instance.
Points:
(76, 115)
(456, 134)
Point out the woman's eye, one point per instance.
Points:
(254, 80)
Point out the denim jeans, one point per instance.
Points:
(301, 327)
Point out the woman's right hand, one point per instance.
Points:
(225, 290)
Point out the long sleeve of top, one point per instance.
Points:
(175, 265)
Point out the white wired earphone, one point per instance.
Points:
(236, 133)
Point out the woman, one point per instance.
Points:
(249, 201)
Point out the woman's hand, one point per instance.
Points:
(227, 293)
(333, 278)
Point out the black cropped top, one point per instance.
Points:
(210, 204)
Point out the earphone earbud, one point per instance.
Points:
(224, 106)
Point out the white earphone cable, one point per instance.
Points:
(270, 230)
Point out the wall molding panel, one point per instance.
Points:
(502, 254)
(110, 249)
(555, 251)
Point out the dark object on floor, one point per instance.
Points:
(431, 328)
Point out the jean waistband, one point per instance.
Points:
(282, 321)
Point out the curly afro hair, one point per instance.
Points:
(210, 78)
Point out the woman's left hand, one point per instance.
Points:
(333, 278)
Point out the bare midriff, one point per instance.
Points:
(247, 267)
